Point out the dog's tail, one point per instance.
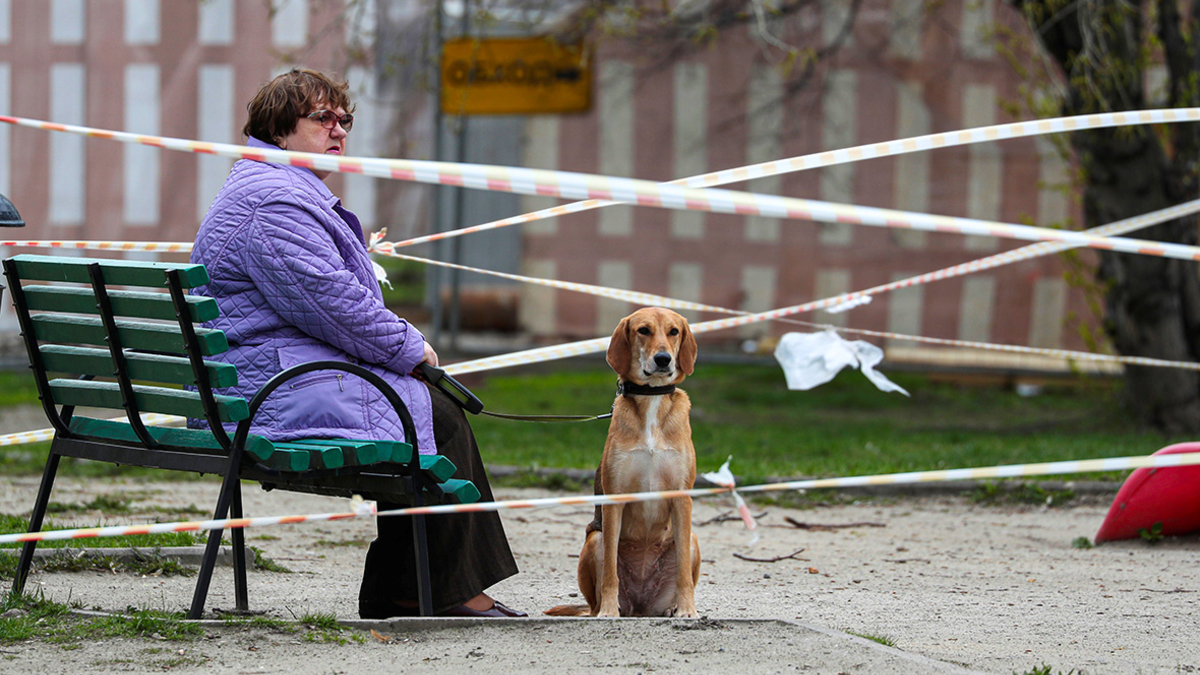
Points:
(569, 610)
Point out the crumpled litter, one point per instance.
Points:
(812, 359)
(361, 506)
(380, 273)
(724, 478)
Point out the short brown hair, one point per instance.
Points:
(278, 106)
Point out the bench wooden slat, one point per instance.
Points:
(148, 399)
(141, 304)
(320, 456)
(460, 491)
(289, 460)
(435, 467)
(144, 367)
(395, 451)
(354, 453)
(116, 272)
(154, 337)
(176, 437)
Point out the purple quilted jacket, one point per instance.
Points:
(289, 269)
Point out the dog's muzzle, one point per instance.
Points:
(662, 363)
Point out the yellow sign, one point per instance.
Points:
(514, 76)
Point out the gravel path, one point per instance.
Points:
(948, 582)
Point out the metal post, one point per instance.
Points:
(436, 274)
(460, 194)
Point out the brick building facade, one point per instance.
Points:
(185, 69)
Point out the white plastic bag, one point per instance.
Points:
(812, 359)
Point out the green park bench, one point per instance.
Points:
(152, 337)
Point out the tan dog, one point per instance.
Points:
(642, 559)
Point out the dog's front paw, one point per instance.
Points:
(608, 612)
(687, 611)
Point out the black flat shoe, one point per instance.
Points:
(498, 610)
(508, 611)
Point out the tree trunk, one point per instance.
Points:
(1152, 303)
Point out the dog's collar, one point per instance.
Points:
(634, 389)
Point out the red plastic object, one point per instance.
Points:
(1167, 495)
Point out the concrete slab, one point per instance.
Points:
(569, 645)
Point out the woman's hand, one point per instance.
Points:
(430, 356)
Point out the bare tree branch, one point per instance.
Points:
(791, 556)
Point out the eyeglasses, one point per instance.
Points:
(329, 119)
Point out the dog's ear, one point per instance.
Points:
(687, 350)
(618, 356)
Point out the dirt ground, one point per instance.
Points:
(949, 582)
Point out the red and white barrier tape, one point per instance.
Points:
(91, 245)
(570, 185)
(23, 437)
(912, 477)
(600, 344)
(854, 154)
(597, 345)
(661, 301)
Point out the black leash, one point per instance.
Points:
(471, 403)
(548, 418)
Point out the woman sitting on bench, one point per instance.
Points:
(290, 271)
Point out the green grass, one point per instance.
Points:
(992, 493)
(54, 623)
(10, 524)
(104, 503)
(144, 564)
(17, 388)
(29, 459)
(38, 617)
(149, 563)
(267, 622)
(407, 279)
(844, 428)
(1045, 670)
(881, 639)
(332, 543)
(263, 563)
(324, 627)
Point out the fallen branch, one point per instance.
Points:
(727, 516)
(819, 527)
(791, 556)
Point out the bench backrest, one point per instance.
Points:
(93, 328)
(105, 324)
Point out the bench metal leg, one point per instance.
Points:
(239, 551)
(35, 521)
(420, 541)
(228, 485)
(421, 549)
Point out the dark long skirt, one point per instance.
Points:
(468, 552)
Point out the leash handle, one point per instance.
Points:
(548, 418)
(452, 387)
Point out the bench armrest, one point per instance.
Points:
(406, 421)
